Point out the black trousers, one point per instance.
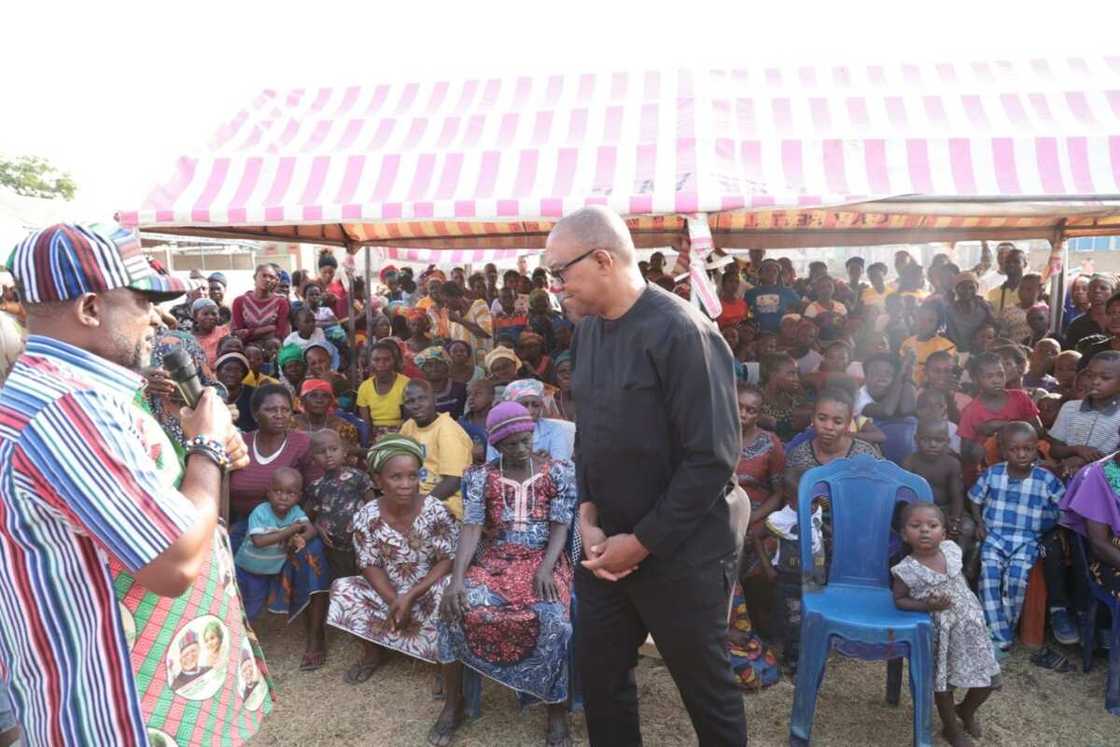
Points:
(685, 609)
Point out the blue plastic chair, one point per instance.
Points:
(900, 437)
(1097, 596)
(855, 612)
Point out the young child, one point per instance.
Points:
(826, 312)
(1065, 372)
(333, 499)
(1042, 358)
(480, 398)
(930, 579)
(1014, 362)
(899, 322)
(1048, 408)
(942, 470)
(933, 406)
(942, 375)
(926, 340)
(324, 315)
(307, 333)
(993, 407)
(1013, 504)
(258, 375)
(275, 528)
(785, 567)
(1088, 429)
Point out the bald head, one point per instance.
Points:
(594, 227)
(590, 256)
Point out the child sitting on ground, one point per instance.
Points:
(275, 528)
(930, 579)
(1013, 504)
(333, 499)
(942, 470)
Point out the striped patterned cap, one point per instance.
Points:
(65, 260)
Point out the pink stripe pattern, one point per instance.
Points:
(526, 149)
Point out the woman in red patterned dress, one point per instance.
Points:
(506, 612)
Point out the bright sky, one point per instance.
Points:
(113, 91)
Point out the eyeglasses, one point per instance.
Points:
(558, 272)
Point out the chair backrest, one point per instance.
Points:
(900, 437)
(863, 493)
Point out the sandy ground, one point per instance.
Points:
(1035, 707)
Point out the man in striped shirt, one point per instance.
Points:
(103, 561)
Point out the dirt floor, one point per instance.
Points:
(1035, 707)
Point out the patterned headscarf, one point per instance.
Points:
(564, 357)
(165, 411)
(515, 390)
(427, 355)
(391, 445)
(506, 419)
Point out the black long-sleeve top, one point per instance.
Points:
(658, 435)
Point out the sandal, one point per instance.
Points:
(361, 672)
(1048, 658)
(312, 660)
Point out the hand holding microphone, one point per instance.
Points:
(205, 413)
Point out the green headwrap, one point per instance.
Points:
(287, 354)
(389, 446)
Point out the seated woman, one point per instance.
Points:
(833, 439)
(272, 446)
(231, 369)
(1091, 507)
(403, 543)
(506, 612)
(553, 438)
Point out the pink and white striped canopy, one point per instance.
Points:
(493, 162)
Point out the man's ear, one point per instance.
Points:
(89, 308)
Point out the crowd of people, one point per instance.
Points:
(410, 479)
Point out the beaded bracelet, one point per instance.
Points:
(210, 448)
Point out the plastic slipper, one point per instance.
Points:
(1048, 658)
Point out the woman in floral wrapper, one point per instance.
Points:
(506, 612)
(404, 543)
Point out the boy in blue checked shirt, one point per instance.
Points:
(1013, 504)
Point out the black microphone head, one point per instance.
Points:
(179, 365)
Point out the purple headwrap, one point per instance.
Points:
(506, 419)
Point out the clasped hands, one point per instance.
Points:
(610, 558)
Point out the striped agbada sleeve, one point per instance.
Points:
(95, 470)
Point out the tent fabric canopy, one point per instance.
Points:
(774, 156)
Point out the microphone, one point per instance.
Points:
(180, 367)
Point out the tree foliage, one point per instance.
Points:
(32, 176)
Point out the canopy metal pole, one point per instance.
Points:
(369, 299)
